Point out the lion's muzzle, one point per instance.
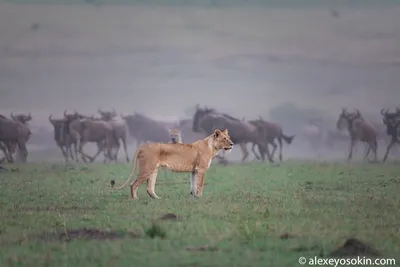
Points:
(230, 147)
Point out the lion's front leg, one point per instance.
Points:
(200, 182)
(193, 183)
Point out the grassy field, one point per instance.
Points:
(249, 215)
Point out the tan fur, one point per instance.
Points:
(194, 158)
(175, 136)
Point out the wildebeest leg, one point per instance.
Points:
(254, 151)
(100, 148)
(64, 152)
(274, 146)
(280, 148)
(10, 147)
(367, 151)
(244, 150)
(265, 150)
(23, 151)
(392, 142)
(5, 152)
(125, 149)
(70, 153)
(352, 143)
(84, 156)
(375, 150)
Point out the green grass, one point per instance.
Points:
(243, 212)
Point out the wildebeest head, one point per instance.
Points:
(23, 118)
(347, 118)
(198, 115)
(73, 116)
(55, 121)
(107, 115)
(391, 120)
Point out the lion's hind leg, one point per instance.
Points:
(151, 184)
(144, 175)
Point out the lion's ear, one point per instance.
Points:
(226, 131)
(217, 132)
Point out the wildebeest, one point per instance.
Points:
(63, 138)
(272, 131)
(84, 130)
(119, 127)
(24, 119)
(359, 130)
(392, 122)
(187, 133)
(241, 132)
(145, 129)
(14, 132)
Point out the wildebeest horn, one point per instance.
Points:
(197, 107)
(344, 110)
(358, 112)
(65, 113)
(384, 112)
(30, 115)
(11, 115)
(50, 119)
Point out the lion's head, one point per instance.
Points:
(221, 140)
(175, 136)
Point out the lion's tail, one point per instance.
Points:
(134, 165)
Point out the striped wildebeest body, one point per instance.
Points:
(392, 122)
(359, 130)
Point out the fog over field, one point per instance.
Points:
(162, 60)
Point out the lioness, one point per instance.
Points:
(194, 158)
(175, 136)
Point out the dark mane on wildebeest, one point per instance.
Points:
(207, 120)
(145, 129)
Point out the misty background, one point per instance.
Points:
(284, 60)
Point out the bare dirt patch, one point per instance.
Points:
(84, 233)
(171, 217)
(56, 209)
(354, 247)
(202, 248)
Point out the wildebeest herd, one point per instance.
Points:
(73, 130)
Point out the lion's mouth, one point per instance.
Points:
(228, 148)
